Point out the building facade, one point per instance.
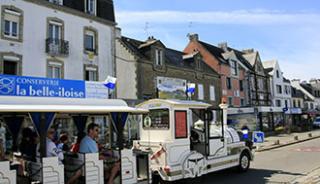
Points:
(147, 69)
(229, 64)
(69, 39)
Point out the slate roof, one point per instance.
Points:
(220, 53)
(215, 51)
(307, 87)
(172, 57)
(286, 80)
(296, 93)
(251, 57)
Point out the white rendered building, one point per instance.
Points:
(69, 39)
(280, 87)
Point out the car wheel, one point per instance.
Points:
(244, 162)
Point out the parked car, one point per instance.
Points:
(316, 122)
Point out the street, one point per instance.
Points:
(282, 165)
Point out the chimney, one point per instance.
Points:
(248, 51)
(223, 46)
(118, 32)
(150, 38)
(193, 37)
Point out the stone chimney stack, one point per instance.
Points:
(248, 51)
(118, 32)
(193, 37)
(223, 46)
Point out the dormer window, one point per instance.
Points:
(234, 68)
(278, 75)
(59, 2)
(91, 7)
(159, 57)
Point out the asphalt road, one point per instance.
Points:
(281, 165)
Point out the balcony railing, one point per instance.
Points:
(57, 47)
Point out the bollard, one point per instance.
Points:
(277, 142)
(310, 135)
(295, 138)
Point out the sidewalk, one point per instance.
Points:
(281, 140)
(311, 178)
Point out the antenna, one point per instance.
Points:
(146, 28)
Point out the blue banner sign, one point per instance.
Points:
(41, 87)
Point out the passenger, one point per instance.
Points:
(89, 145)
(52, 150)
(76, 146)
(28, 144)
(63, 140)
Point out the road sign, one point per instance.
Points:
(258, 137)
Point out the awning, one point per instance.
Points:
(63, 105)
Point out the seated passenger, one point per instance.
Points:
(76, 146)
(52, 150)
(63, 140)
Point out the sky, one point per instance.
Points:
(283, 30)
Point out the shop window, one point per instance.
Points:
(181, 130)
(12, 21)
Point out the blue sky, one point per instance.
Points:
(286, 30)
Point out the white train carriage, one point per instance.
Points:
(188, 139)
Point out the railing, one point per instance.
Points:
(57, 47)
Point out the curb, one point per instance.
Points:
(287, 144)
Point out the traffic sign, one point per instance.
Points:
(258, 137)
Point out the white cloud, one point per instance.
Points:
(247, 17)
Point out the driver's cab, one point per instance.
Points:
(206, 130)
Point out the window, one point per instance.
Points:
(278, 76)
(311, 105)
(91, 73)
(234, 68)
(10, 64)
(55, 31)
(278, 103)
(91, 40)
(242, 102)
(12, 23)
(260, 84)
(181, 130)
(241, 85)
(285, 103)
(299, 103)
(200, 92)
(59, 2)
(91, 7)
(212, 93)
(55, 69)
(229, 86)
(287, 89)
(159, 57)
(279, 89)
(10, 67)
(159, 119)
(230, 101)
(294, 104)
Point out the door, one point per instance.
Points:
(215, 135)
